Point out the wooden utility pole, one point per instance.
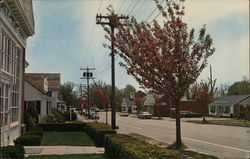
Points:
(113, 21)
(87, 75)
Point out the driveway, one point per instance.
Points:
(222, 141)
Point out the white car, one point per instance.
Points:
(144, 115)
(124, 114)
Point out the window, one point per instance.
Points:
(212, 109)
(227, 109)
(4, 103)
(48, 107)
(35, 104)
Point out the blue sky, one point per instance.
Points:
(67, 38)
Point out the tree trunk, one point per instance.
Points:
(178, 124)
(204, 113)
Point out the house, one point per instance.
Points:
(230, 106)
(128, 105)
(53, 86)
(166, 106)
(37, 98)
(16, 25)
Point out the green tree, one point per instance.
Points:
(69, 95)
(241, 87)
(127, 90)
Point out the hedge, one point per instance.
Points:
(12, 152)
(28, 140)
(34, 132)
(97, 131)
(63, 127)
(125, 146)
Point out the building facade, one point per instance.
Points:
(43, 88)
(16, 25)
(40, 100)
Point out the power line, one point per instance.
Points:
(144, 2)
(93, 28)
(121, 6)
(153, 11)
(160, 11)
(134, 7)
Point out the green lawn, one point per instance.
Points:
(230, 122)
(75, 156)
(67, 138)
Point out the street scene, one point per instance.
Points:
(124, 79)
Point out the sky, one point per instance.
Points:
(67, 38)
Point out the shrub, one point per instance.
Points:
(28, 140)
(12, 152)
(63, 127)
(97, 131)
(66, 115)
(30, 117)
(125, 146)
(58, 115)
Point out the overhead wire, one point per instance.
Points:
(153, 11)
(160, 11)
(134, 7)
(121, 6)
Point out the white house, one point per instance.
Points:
(16, 25)
(38, 99)
(226, 106)
(128, 105)
(54, 82)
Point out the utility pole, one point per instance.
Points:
(113, 21)
(81, 94)
(87, 75)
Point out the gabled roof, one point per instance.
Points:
(229, 100)
(127, 101)
(41, 91)
(36, 79)
(245, 101)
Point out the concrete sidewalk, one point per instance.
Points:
(62, 150)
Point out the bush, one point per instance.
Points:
(97, 131)
(12, 152)
(66, 115)
(28, 140)
(125, 146)
(63, 127)
(30, 117)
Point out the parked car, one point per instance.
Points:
(124, 114)
(190, 114)
(94, 116)
(144, 115)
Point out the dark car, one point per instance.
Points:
(189, 114)
(94, 116)
(144, 115)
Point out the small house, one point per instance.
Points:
(230, 106)
(128, 105)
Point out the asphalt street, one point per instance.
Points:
(223, 141)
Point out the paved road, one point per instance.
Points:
(222, 141)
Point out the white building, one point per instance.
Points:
(43, 88)
(38, 99)
(16, 25)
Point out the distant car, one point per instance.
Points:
(94, 116)
(124, 114)
(189, 114)
(144, 115)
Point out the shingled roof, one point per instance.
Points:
(229, 100)
(36, 79)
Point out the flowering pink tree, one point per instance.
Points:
(163, 58)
